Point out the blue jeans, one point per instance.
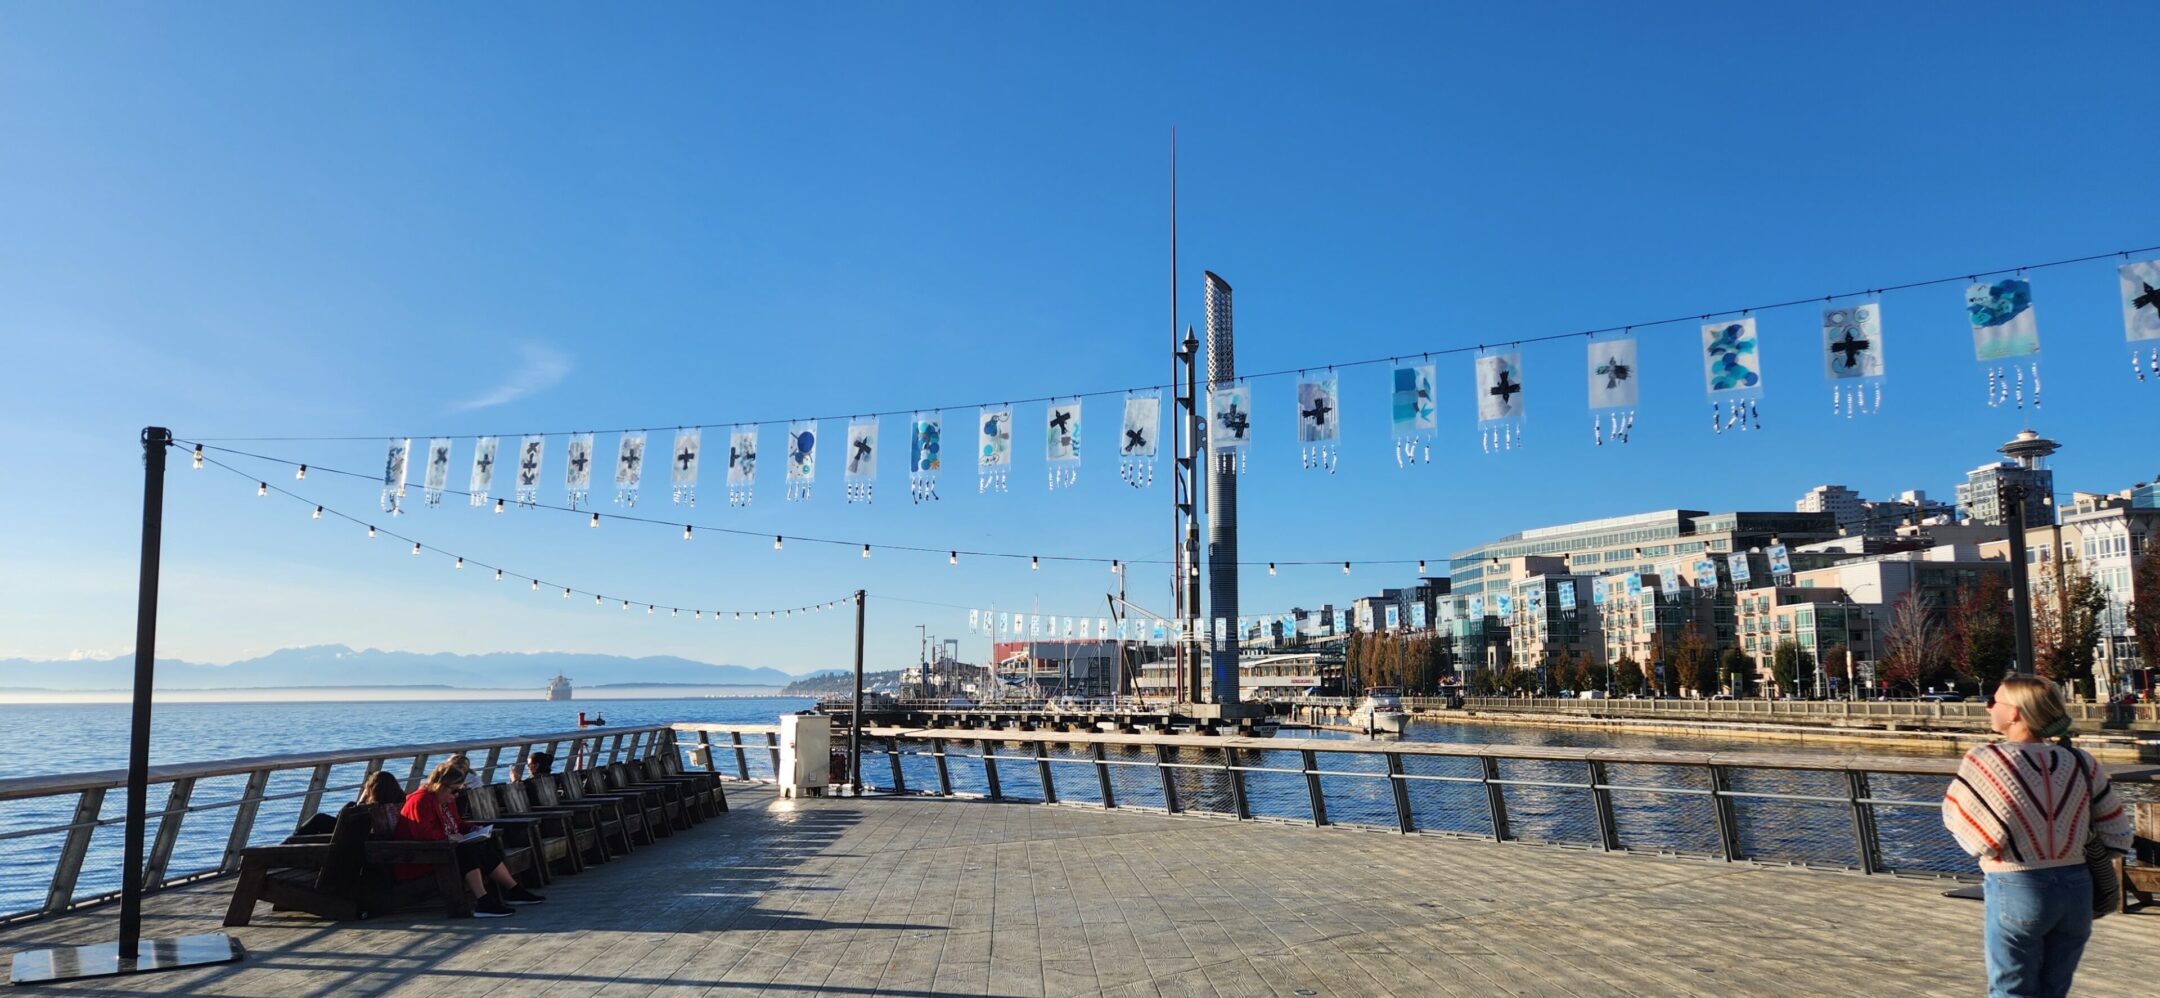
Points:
(2037, 924)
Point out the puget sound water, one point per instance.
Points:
(57, 738)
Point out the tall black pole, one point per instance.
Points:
(854, 738)
(2020, 591)
(154, 440)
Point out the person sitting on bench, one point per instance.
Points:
(430, 815)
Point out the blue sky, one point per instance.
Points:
(275, 220)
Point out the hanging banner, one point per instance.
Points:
(1034, 625)
(1614, 392)
(683, 465)
(1742, 574)
(1732, 373)
(1634, 583)
(2005, 329)
(393, 476)
(438, 472)
(1507, 606)
(1780, 565)
(861, 460)
(577, 469)
(1004, 621)
(483, 470)
(2141, 313)
(1567, 595)
(925, 454)
(1137, 447)
(1417, 615)
(1597, 592)
(974, 620)
(1499, 406)
(1477, 609)
(1222, 632)
(1068, 628)
(802, 458)
(993, 454)
(1534, 601)
(530, 452)
(1413, 416)
(742, 464)
(1706, 574)
(1853, 352)
(1158, 636)
(629, 468)
(1364, 617)
(1229, 425)
(1669, 579)
(1394, 617)
(1319, 422)
(1061, 442)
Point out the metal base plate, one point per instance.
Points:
(74, 963)
(1968, 893)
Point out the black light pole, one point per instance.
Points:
(854, 738)
(126, 956)
(2020, 594)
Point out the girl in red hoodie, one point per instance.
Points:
(431, 815)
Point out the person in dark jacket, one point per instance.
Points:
(430, 815)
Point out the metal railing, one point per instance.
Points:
(60, 836)
(1964, 714)
(1875, 815)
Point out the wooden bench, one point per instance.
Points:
(526, 844)
(2141, 883)
(603, 817)
(704, 790)
(563, 843)
(285, 875)
(582, 785)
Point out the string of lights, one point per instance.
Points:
(595, 518)
(1629, 327)
(460, 562)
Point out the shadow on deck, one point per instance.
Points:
(921, 897)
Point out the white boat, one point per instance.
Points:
(558, 688)
(1380, 711)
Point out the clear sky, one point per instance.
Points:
(304, 220)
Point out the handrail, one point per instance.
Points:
(18, 788)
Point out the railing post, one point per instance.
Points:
(1169, 787)
(742, 759)
(318, 783)
(69, 865)
(1231, 765)
(1608, 827)
(1042, 767)
(1313, 791)
(1865, 839)
(989, 765)
(244, 818)
(168, 832)
(1728, 826)
(899, 779)
(1495, 799)
(772, 746)
(1401, 788)
(704, 738)
(419, 772)
(615, 750)
(1102, 777)
(944, 769)
(487, 769)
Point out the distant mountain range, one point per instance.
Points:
(338, 665)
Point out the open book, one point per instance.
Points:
(478, 833)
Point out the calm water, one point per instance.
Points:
(83, 737)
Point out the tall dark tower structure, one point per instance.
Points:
(1221, 507)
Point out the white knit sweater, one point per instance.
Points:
(2031, 805)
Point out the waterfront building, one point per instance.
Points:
(1980, 497)
(1634, 543)
(2108, 535)
(1060, 667)
(1844, 506)
(1543, 628)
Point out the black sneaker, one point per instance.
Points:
(519, 895)
(491, 907)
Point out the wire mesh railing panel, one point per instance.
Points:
(1649, 821)
(1073, 767)
(1281, 794)
(918, 768)
(1440, 800)
(1777, 830)
(1911, 835)
(279, 813)
(1202, 780)
(1365, 799)
(26, 860)
(1018, 775)
(1552, 814)
(1133, 777)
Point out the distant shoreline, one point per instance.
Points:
(381, 694)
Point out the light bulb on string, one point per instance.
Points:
(595, 521)
(1346, 568)
(686, 531)
(416, 548)
(1421, 566)
(1034, 564)
(318, 513)
(738, 615)
(866, 550)
(460, 563)
(498, 507)
(1271, 568)
(262, 488)
(536, 585)
(648, 609)
(198, 457)
(776, 542)
(626, 604)
(371, 531)
(953, 558)
(596, 599)
(300, 475)
(498, 575)
(1115, 568)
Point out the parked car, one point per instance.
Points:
(1943, 698)
(1591, 695)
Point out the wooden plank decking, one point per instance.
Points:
(921, 897)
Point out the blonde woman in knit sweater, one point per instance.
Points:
(2024, 807)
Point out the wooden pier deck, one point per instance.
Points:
(922, 897)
